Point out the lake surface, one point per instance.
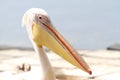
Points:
(86, 24)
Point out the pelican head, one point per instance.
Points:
(34, 16)
(42, 33)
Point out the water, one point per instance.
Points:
(86, 24)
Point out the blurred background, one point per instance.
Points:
(86, 24)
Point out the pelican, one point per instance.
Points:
(42, 33)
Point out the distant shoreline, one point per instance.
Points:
(6, 47)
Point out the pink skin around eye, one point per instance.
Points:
(41, 18)
(44, 19)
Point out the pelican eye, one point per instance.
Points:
(40, 17)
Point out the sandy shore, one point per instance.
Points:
(105, 65)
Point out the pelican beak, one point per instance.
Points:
(46, 35)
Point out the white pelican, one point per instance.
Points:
(42, 33)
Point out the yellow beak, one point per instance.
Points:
(49, 37)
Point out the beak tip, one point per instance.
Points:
(90, 72)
